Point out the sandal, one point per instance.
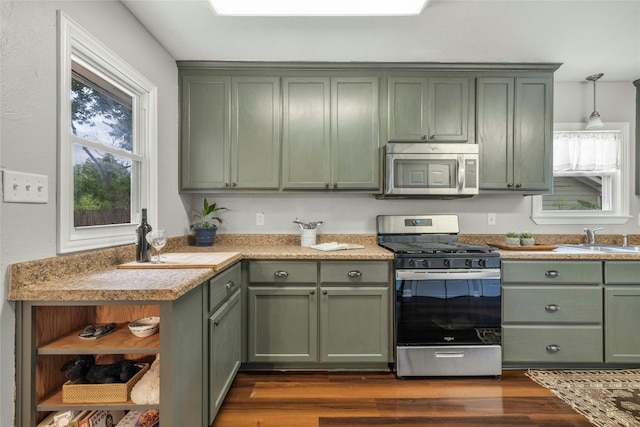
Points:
(92, 332)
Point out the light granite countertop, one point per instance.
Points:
(94, 276)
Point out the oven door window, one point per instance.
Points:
(425, 173)
(448, 312)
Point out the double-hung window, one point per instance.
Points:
(107, 140)
(590, 177)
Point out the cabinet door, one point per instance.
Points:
(355, 162)
(494, 131)
(205, 132)
(407, 108)
(532, 136)
(622, 341)
(224, 351)
(306, 137)
(283, 324)
(255, 135)
(354, 324)
(448, 109)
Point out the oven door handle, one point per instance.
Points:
(488, 273)
(461, 173)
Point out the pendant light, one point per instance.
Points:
(594, 121)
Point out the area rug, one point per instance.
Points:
(606, 397)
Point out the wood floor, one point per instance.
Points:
(332, 399)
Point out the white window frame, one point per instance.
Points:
(74, 43)
(619, 214)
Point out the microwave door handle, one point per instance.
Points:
(461, 173)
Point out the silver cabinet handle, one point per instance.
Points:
(281, 273)
(553, 348)
(230, 284)
(552, 307)
(552, 274)
(216, 323)
(354, 273)
(325, 292)
(312, 292)
(518, 185)
(233, 184)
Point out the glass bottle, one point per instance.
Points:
(143, 248)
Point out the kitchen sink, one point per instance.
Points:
(586, 247)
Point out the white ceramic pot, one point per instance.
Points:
(527, 241)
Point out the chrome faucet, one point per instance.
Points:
(591, 234)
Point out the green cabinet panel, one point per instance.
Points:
(354, 324)
(514, 129)
(224, 351)
(355, 141)
(434, 108)
(552, 344)
(551, 272)
(205, 132)
(622, 312)
(255, 135)
(223, 285)
(283, 324)
(559, 304)
(283, 272)
(306, 133)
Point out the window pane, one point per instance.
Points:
(100, 112)
(576, 193)
(101, 188)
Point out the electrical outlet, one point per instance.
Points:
(19, 187)
(491, 219)
(260, 218)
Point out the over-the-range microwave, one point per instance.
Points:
(430, 170)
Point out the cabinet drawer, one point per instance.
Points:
(562, 304)
(224, 285)
(622, 272)
(567, 344)
(548, 272)
(283, 272)
(354, 272)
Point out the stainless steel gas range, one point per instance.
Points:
(447, 307)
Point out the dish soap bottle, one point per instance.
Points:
(143, 248)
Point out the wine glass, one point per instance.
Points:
(157, 239)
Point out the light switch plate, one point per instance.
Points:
(491, 219)
(19, 187)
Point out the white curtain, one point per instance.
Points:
(586, 151)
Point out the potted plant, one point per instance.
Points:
(512, 239)
(526, 239)
(204, 230)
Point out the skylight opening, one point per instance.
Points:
(318, 7)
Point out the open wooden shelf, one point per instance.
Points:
(120, 341)
(53, 402)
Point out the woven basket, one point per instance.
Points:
(101, 393)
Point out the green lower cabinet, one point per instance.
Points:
(622, 311)
(283, 324)
(224, 351)
(354, 324)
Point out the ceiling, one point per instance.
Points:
(586, 36)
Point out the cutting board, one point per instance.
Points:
(188, 260)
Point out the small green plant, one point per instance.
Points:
(525, 235)
(513, 234)
(204, 221)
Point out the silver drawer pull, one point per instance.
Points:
(354, 273)
(216, 323)
(552, 307)
(449, 354)
(230, 284)
(553, 348)
(551, 274)
(281, 273)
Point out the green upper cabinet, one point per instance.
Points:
(255, 132)
(205, 132)
(434, 109)
(330, 124)
(306, 132)
(230, 134)
(514, 129)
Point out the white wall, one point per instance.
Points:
(28, 132)
(353, 214)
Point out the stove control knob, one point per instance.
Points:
(425, 263)
(447, 262)
(482, 262)
(468, 263)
